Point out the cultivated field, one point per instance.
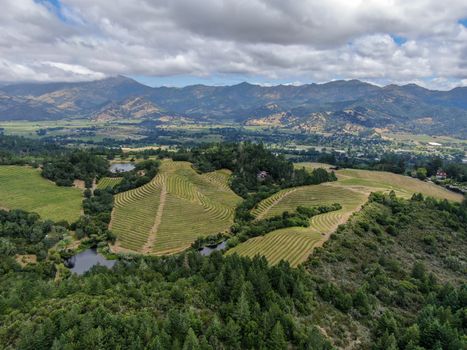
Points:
(351, 191)
(24, 188)
(108, 182)
(166, 215)
(403, 185)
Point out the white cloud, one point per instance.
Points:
(296, 40)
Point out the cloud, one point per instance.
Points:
(296, 40)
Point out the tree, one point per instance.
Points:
(232, 334)
(419, 271)
(191, 341)
(386, 342)
(277, 340)
(242, 312)
(421, 173)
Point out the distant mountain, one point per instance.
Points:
(337, 105)
(74, 99)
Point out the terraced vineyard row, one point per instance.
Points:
(402, 185)
(292, 240)
(220, 178)
(351, 191)
(133, 216)
(108, 182)
(308, 196)
(264, 206)
(296, 243)
(193, 205)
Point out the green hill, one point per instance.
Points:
(179, 205)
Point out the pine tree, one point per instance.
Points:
(232, 334)
(277, 340)
(191, 341)
(242, 310)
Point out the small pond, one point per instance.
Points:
(209, 249)
(121, 167)
(84, 261)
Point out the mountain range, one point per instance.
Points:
(350, 105)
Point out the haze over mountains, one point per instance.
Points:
(338, 105)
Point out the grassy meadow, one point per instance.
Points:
(24, 188)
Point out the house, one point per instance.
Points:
(441, 175)
(262, 175)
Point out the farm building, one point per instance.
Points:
(262, 175)
(441, 174)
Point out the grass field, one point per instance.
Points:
(166, 215)
(108, 182)
(24, 188)
(351, 191)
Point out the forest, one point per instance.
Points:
(392, 277)
(383, 280)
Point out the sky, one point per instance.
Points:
(224, 42)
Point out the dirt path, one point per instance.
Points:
(160, 210)
(260, 216)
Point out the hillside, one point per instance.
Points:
(392, 278)
(169, 213)
(352, 189)
(337, 105)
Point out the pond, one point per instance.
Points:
(84, 261)
(121, 167)
(209, 249)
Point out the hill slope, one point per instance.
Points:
(337, 105)
(351, 190)
(166, 215)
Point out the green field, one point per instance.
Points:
(108, 182)
(72, 127)
(24, 188)
(351, 191)
(179, 205)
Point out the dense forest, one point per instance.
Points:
(393, 277)
(79, 164)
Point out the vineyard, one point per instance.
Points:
(24, 188)
(295, 244)
(167, 214)
(351, 191)
(108, 182)
(403, 185)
